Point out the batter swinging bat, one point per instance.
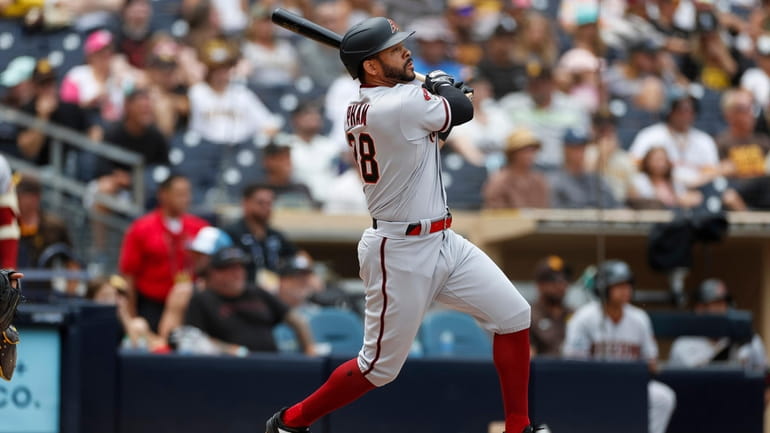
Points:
(309, 29)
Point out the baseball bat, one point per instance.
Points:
(314, 31)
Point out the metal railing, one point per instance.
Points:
(55, 176)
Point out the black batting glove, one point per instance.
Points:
(436, 80)
(468, 90)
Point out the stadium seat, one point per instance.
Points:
(198, 160)
(631, 120)
(341, 329)
(463, 181)
(285, 338)
(453, 334)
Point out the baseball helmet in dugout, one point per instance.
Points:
(712, 290)
(368, 38)
(611, 272)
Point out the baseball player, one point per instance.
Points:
(410, 257)
(614, 330)
(713, 297)
(10, 296)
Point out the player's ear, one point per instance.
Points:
(370, 66)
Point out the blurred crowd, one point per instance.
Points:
(578, 104)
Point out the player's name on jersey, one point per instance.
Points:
(356, 115)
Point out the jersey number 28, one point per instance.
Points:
(363, 152)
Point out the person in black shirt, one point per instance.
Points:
(137, 131)
(33, 144)
(237, 317)
(266, 247)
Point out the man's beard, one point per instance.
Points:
(403, 75)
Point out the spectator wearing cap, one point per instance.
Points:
(45, 240)
(39, 229)
(757, 79)
(573, 187)
(223, 111)
(298, 281)
(692, 151)
(545, 111)
(154, 254)
(605, 156)
(279, 177)
(265, 246)
(713, 297)
(269, 61)
(549, 313)
(239, 317)
(462, 17)
(581, 21)
(315, 159)
(434, 48)
(16, 78)
(498, 65)
(99, 85)
(46, 105)
(517, 184)
(206, 243)
(579, 71)
(629, 78)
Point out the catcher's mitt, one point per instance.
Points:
(8, 341)
(10, 297)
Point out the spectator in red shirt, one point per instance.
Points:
(154, 255)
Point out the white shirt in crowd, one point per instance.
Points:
(229, 117)
(346, 195)
(232, 17)
(690, 153)
(756, 81)
(315, 164)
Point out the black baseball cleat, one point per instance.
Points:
(275, 425)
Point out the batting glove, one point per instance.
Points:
(436, 80)
(468, 90)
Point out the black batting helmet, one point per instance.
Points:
(368, 38)
(712, 290)
(610, 273)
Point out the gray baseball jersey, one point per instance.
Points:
(399, 161)
(591, 334)
(392, 132)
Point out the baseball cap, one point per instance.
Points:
(228, 256)
(210, 240)
(574, 138)
(579, 60)
(521, 138)
(552, 268)
(97, 41)
(218, 53)
(296, 265)
(43, 71)
(19, 70)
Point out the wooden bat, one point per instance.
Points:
(309, 29)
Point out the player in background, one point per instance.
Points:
(611, 329)
(713, 297)
(410, 257)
